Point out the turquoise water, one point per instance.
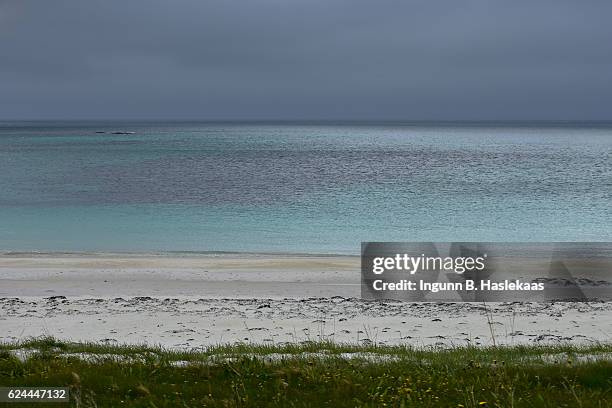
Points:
(299, 188)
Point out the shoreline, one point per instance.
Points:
(162, 254)
(194, 301)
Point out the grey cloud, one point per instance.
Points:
(305, 59)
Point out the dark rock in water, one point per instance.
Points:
(55, 298)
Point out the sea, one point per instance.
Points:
(312, 188)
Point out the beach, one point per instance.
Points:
(306, 204)
(186, 301)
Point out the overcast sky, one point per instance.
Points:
(306, 59)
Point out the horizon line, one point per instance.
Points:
(314, 120)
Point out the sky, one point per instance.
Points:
(306, 59)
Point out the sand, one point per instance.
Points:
(189, 301)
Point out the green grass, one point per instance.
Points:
(313, 375)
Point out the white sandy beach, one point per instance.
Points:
(189, 301)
